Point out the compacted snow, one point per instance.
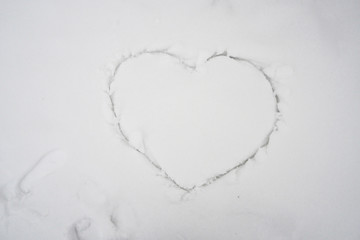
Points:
(216, 119)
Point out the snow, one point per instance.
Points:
(226, 109)
(46, 165)
(97, 145)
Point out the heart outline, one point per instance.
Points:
(110, 94)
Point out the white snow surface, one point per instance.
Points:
(97, 144)
(195, 123)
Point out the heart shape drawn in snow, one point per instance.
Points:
(200, 121)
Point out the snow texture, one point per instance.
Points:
(164, 119)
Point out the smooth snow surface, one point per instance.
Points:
(96, 147)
